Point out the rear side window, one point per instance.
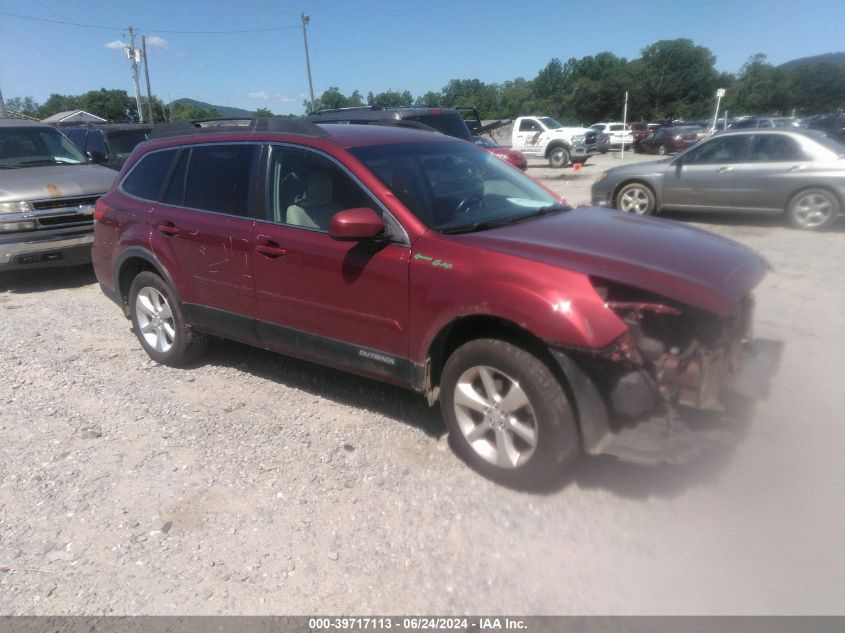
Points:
(147, 177)
(774, 148)
(220, 178)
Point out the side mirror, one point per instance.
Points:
(96, 157)
(361, 223)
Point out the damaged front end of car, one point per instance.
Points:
(673, 363)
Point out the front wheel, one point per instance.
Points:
(662, 150)
(559, 157)
(636, 198)
(159, 324)
(507, 415)
(813, 209)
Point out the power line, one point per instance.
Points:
(144, 28)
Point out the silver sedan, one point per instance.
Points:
(797, 172)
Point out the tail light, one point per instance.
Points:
(100, 209)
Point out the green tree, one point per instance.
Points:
(265, 112)
(472, 92)
(816, 86)
(515, 98)
(108, 104)
(759, 88)
(391, 99)
(58, 103)
(550, 87)
(23, 105)
(333, 98)
(598, 88)
(430, 98)
(673, 78)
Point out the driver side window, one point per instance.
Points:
(307, 189)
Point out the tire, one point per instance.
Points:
(159, 324)
(507, 415)
(636, 198)
(559, 157)
(662, 150)
(813, 209)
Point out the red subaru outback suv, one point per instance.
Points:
(422, 260)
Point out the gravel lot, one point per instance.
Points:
(252, 483)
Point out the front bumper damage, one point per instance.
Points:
(677, 374)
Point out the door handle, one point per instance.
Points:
(168, 228)
(724, 169)
(797, 168)
(270, 249)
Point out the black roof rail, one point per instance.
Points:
(259, 124)
(367, 108)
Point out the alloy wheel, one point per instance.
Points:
(495, 416)
(155, 319)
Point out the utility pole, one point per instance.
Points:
(306, 20)
(134, 56)
(147, 75)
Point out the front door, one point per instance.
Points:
(704, 177)
(341, 303)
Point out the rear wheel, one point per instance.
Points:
(559, 157)
(813, 209)
(662, 150)
(159, 324)
(508, 416)
(636, 198)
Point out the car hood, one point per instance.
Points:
(679, 262)
(54, 181)
(641, 168)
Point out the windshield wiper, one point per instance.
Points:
(475, 226)
(47, 161)
(547, 210)
(492, 224)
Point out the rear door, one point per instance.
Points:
(776, 167)
(704, 177)
(204, 227)
(342, 303)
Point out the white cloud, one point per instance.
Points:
(258, 94)
(117, 45)
(156, 41)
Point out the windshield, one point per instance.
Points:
(34, 146)
(123, 142)
(450, 185)
(550, 123)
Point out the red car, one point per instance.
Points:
(669, 140)
(421, 260)
(512, 156)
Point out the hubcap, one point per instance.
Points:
(813, 209)
(558, 157)
(495, 416)
(634, 201)
(155, 319)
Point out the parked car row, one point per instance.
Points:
(423, 261)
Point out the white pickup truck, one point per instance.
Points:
(543, 136)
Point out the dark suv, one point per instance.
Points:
(447, 121)
(109, 144)
(423, 261)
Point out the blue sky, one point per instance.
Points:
(374, 45)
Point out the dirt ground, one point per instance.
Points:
(256, 484)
